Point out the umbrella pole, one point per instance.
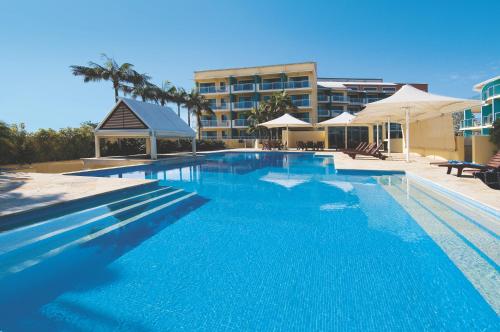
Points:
(345, 137)
(287, 137)
(407, 111)
(377, 133)
(389, 136)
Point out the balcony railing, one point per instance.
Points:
(339, 99)
(216, 123)
(323, 98)
(323, 113)
(243, 87)
(271, 86)
(492, 91)
(301, 102)
(354, 100)
(469, 123)
(371, 100)
(388, 90)
(240, 123)
(297, 84)
(243, 105)
(219, 107)
(212, 89)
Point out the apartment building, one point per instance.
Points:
(233, 92)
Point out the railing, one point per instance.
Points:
(370, 90)
(468, 123)
(388, 90)
(297, 84)
(492, 91)
(354, 100)
(219, 107)
(241, 105)
(371, 99)
(339, 99)
(215, 123)
(243, 87)
(323, 113)
(323, 98)
(271, 86)
(240, 123)
(212, 89)
(301, 102)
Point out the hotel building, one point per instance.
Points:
(233, 92)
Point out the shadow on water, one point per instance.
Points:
(79, 269)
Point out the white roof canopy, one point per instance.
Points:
(341, 120)
(421, 105)
(156, 120)
(285, 121)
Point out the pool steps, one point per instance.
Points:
(36, 242)
(469, 239)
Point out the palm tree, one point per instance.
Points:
(179, 96)
(279, 104)
(110, 70)
(163, 93)
(255, 117)
(144, 89)
(198, 105)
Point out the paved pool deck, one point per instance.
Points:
(21, 192)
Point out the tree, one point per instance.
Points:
(164, 94)
(179, 96)
(144, 89)
(6, 146)
(256, 116)
(495, 133)
(110, 70)
(198, 105)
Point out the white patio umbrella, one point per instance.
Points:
(343, 119)
(410, 104)
(286, 121)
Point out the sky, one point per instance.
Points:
(448, 44)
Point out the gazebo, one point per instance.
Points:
(286, 121)
(131, 118)
(343, 119)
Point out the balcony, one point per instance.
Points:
(268, 86)
(219, 107)
(301, 102)
(242, 87)
(388, 90)
(244, 105)
(339, 99)
(491, 92)
(297, 84)
(371, 99)
(323, 98)
(240, 123)
(216, 123)
(470, 123)
(323, 113)
(356, 101)
(212, 89)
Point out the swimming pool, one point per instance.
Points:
(254, 241)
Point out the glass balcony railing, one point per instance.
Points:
(323, 98)
(339, 99)
(492, 91)
(296, 84)
(243, 87)
(271, 86)
(219, 106)
(212, 89)
(240, 123)
(354, 100)
(468, 123)
(238, 105)
(301, 102)
(371, 99)
(215, 123)
(323, 113)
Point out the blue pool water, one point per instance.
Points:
(251, 242)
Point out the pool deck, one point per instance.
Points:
(20, 192)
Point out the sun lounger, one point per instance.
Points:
(373, 152)
(364, 149)
(360, 146)
(493, 163)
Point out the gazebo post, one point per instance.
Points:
(377, 134)
(97, 146)
(193, 145)
(154, 152)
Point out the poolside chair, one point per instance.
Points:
(320, 145)
(493, 163)
(310, 145)
(301, 145)
(490, 177)
(373, 152)
(363, 149)
(360, 146)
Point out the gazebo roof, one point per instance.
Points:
(343, 119)
(131, 117)
(285, 120)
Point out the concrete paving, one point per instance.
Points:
(26, 191)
